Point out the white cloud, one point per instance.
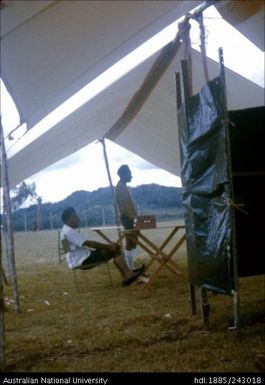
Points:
(87, 171)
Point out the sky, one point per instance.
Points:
(85, 169)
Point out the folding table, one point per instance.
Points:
(156, 253)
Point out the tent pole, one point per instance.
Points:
(8, 211)
(205, 307)
(192, 293)
(203, 47)
(235, 289)
(2, 310)
(117, 219)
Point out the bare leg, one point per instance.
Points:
(122, 267)
(131, 243)
(128, 275)
(119, 262)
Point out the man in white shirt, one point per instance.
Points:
(83, 252)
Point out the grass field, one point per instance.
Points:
(102, 328)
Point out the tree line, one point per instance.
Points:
(95, 208)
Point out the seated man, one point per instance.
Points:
(83, 252)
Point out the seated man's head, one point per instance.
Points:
(124, 173)
(70, 218)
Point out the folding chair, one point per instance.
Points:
(63, 248)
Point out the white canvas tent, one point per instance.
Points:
(50, 49)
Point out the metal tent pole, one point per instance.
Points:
(117, 219)
(2, 309)
(234, 291)
(8, 211)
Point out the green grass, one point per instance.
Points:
(124, 329)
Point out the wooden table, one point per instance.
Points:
(156, 253)
(101, 231)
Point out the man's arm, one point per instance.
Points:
(101, 246)
(125, 202)
(79, 240)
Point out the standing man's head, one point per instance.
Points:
(125, 173)
(70, 218)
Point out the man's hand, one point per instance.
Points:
(114, 248)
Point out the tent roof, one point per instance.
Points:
(51, 49)
(247, 17)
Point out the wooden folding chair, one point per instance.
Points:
(63, 248)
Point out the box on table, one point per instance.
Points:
(145, 222)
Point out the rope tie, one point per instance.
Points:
(237, 206)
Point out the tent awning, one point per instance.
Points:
(57, 47)
(50, 49)
(247, 17)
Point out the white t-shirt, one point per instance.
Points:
(78, 253)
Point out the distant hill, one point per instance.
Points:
(95, 207)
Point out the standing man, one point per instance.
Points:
(127, 211)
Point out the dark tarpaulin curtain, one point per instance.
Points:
(247, 138)
(206, 190)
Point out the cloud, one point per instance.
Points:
(65, 163)
(86, 170)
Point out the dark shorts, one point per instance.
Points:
(127, 223)
(97, 257)
(131, 240)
